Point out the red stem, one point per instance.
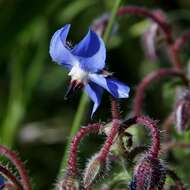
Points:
(174, 56)
(140, 11)
(18, 164)
(147, 81)
(179, 43)
(10, 177)
(109, 141)
(114, 130)
(175, 48)
(72, 158)
(115, 108)
(155, 133)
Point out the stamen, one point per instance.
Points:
(69, 90)
(74, 86)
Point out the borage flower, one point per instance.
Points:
(85, 63)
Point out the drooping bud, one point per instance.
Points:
(94, 170)
(153, 36)
(182, 113)
(149, 174)
(68, 183)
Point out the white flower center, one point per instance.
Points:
(78, 74)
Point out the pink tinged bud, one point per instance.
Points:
(68, 183)
(149, 42)
(149, 174)
(94, 170)
(182, 113)
(153, 36)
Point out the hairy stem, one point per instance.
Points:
(181, 41)
(19, 166)
(72, 158)
(174, 56)
(115, 108)
(4, 171)
(140, 11)
(155, 133)
(109, 141)
(148, 80)
(175, 49)
(114, 131)
(75, 126)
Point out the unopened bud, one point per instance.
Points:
(94, 170)
(149, 174)
(68, 183)
(153, 36)
(182, 113)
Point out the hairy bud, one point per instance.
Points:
(149, 174)
(68, 183)
(94, 170)
(182, 113)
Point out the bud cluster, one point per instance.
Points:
(149, 174)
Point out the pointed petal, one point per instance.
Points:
(91, 52)
(58, 50)
(113, 86)
(95, 93)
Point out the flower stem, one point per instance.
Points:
(151, 125)
(183, 39)
(155, 133)
(76, 124)
(72, 158)
(109, 141)
(111, 21)
(84, 99)
(15, 183)
(115, 108)
(147, 81)
(19, 166)
(140, 11)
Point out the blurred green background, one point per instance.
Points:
(34, 118)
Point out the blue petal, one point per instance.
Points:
(2, 181)
(113, 86)
(58, 50)
(95, 93)
(91, 52)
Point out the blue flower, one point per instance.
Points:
(2, 182)
(85, 63)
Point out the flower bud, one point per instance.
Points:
(182, 113)
(149, 174)
(94, 170)
(68, 183)
(153, 36)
